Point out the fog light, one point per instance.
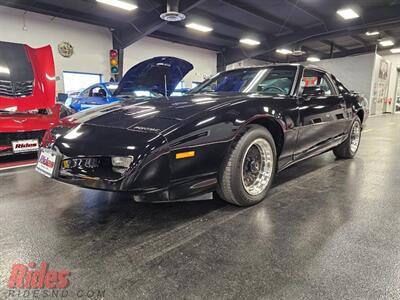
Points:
(122, 161)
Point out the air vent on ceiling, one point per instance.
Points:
(173, 14)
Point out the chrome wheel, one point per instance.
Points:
(257, 167)
(355, 137)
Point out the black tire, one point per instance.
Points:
(231, 187)
(344, 150)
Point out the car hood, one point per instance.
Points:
(159, 74)
(130, 113)
(27, 77)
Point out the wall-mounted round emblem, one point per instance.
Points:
(65, 49)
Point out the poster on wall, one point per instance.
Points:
(384, 70)
(380, 86)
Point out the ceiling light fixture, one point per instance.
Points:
(369, 33)
(386, 43)
(313, 59)
(284, 51)
(172, 14)
(199, 27)
(348, 14)
(250, 42)
(395, 50)
(120, 4)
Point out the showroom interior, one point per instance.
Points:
(166, 149)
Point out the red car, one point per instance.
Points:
(27, 97)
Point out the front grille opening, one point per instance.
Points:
(18, 79)
(7, 137)
(16, 89)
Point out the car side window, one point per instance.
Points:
(85, 93)
(277, 81)
(342, 89)
(94, 91)
(316, 83)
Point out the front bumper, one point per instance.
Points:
(85, 154)
(6, 139)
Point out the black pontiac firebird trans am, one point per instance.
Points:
(231, 134)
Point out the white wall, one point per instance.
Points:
(395, 60)
(249, 62)
(204, 61)
(354, 71)
(91, 43)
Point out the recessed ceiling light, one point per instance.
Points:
(120, 4)
(313, 59)
(372, 33)
(386, 43)
(250, 42)
(347, 13)
(199, 27)
(395, 50)
(284, 51)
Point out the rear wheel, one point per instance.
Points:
(348, 149)
(249, 170)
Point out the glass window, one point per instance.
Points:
(75, 81)
(95, 90)
(314, 81)
(112, 87)
(98, 91)
(231, 81)
(342, 89)
(278, 81)
(274, 80)
(85, 93)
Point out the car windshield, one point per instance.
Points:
(126, 90)
(271, 80)
(112, 87)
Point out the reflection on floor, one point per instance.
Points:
(17, 161)
(328, 229)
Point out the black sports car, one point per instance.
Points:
(231, 134)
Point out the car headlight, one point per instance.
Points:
(122, 161)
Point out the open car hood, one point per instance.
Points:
(159, 74)
(27, 77)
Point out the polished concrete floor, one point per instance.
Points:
(330, 229)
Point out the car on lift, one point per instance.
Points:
(142, 80)
(231, 134)
(27, 97)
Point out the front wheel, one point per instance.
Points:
(249, 170)
(349, 147)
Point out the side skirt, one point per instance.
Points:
(314, 152)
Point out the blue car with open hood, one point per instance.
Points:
(155, 77)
